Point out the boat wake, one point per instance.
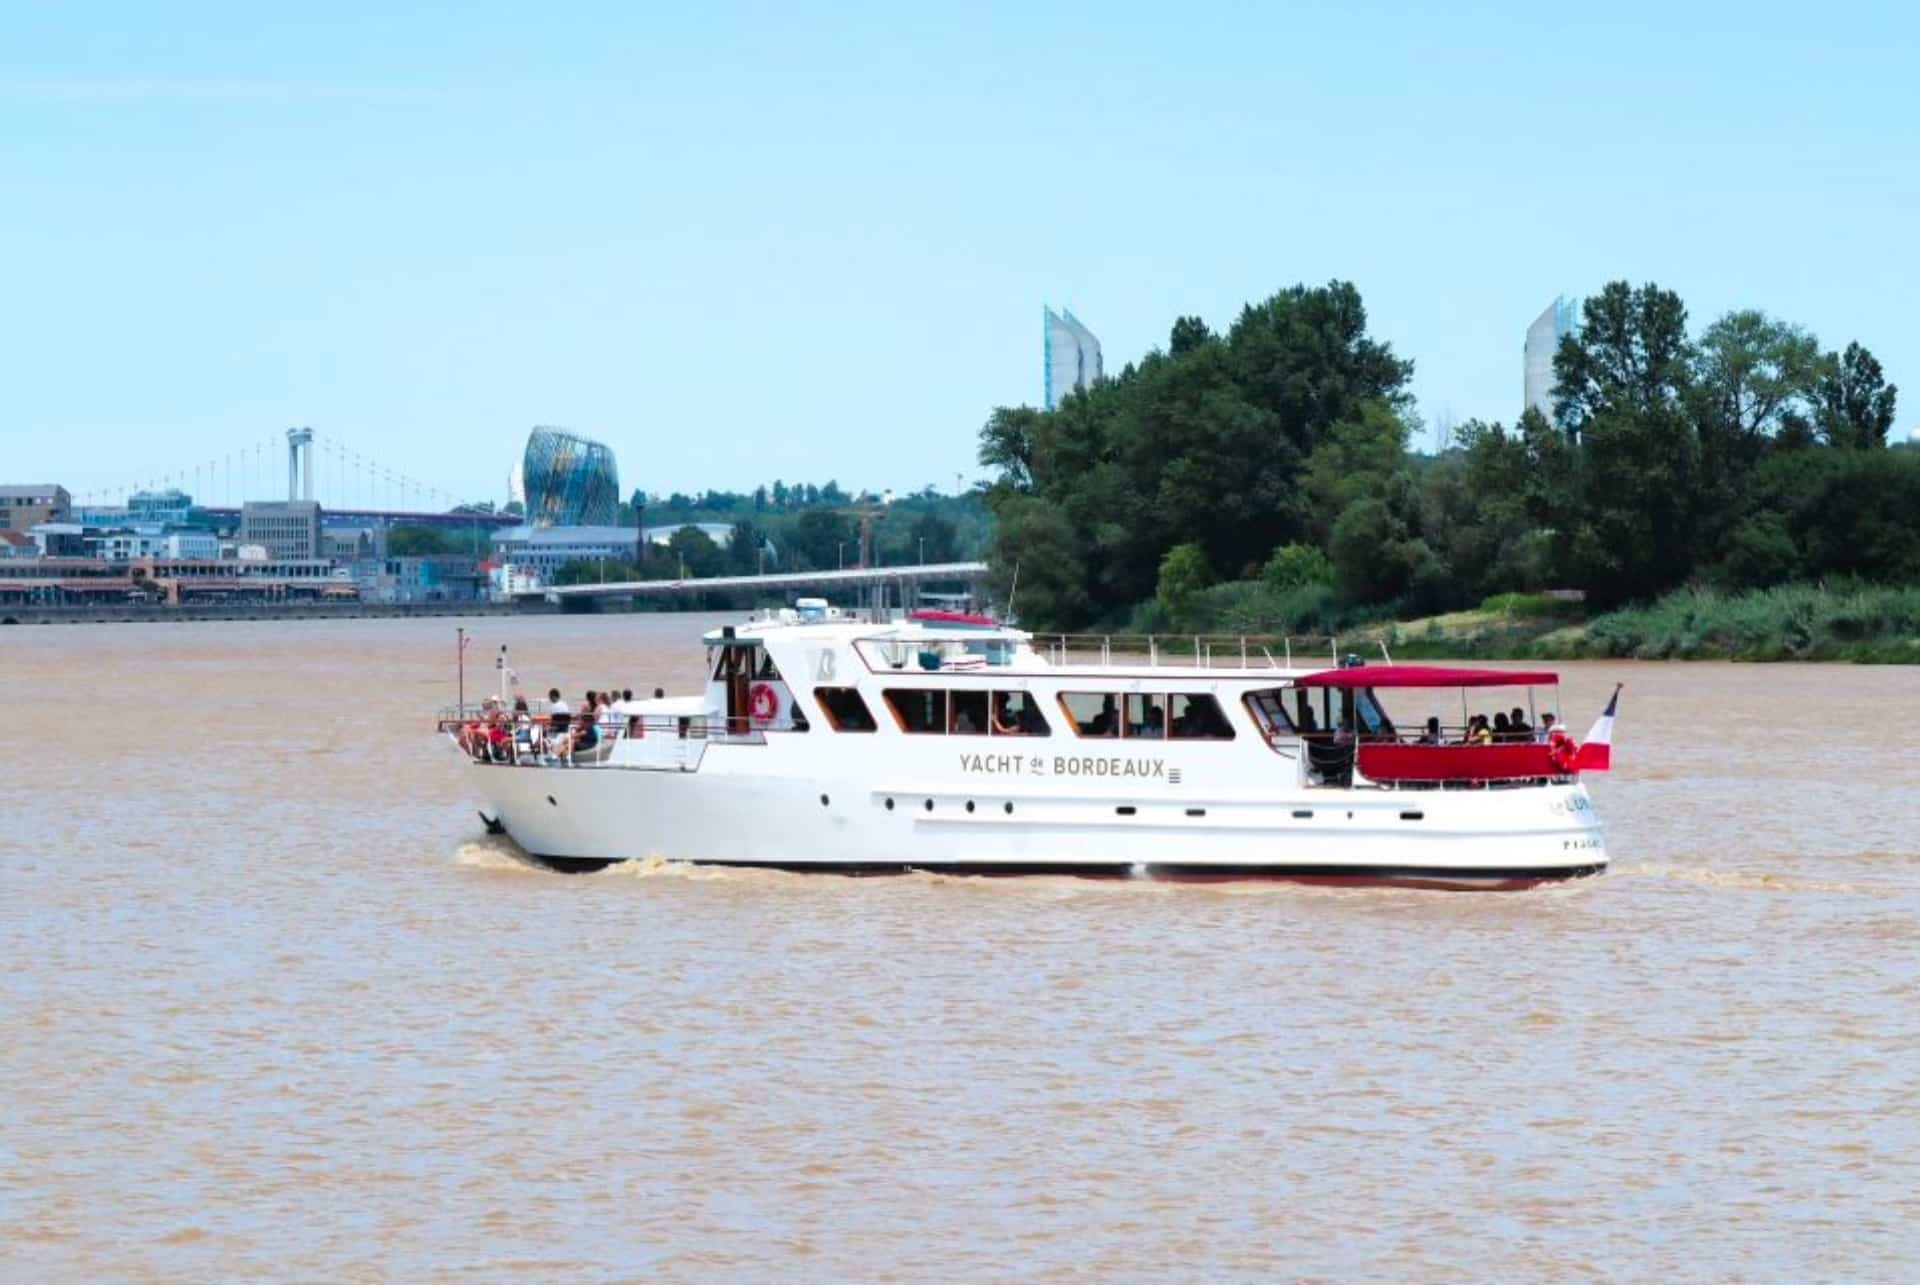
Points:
(1750, 880)
(496, 853)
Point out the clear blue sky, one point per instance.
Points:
(737, 242)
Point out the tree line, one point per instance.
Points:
(1276, 457)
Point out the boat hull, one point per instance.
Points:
(1484, 838)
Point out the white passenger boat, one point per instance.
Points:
(951, 743)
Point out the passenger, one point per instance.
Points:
(1522, 730)
(1432, 736)
(1153, 724)
(525, 730)
(559, 724)
(1106, 722)
(1501, 732)
(1545, 731)
(1478, 733)
(1005, 721)
(586, 736)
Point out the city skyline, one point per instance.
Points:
(423, 232)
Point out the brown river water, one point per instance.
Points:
(272, 1007)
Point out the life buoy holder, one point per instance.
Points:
(763, 703)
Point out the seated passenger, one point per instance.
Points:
(1106, 722)
(1544, 732)
(1517, 723)
(1432, 735)
(1478, 732)
(1153, 723)
(1501, 732)
(585, 737)
(1005, 721)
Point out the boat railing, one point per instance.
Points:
(636, 741)
(1203, 651)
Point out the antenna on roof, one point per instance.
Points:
(1013, 589)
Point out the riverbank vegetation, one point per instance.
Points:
(1260, 480)
(797, 528)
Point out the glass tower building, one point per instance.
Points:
(569, 480)
(1543, 340)
(1072, 358)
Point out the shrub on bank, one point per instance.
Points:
(1791, 622)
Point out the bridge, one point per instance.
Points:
(871, 582)
(392, 517)
(350, 485)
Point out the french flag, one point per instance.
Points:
(1596, 752)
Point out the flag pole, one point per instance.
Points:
(460, 650)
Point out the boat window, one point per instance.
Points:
(968, 712)
(918, 709)
(1270, 713)
(1198, 717)
(845, 709)
(1018, 714)
(1146, 716)
(1374, 722)
(1092, 713)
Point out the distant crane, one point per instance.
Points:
(869, 511)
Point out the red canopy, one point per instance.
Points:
(1426, 676)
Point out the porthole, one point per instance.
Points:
(1009, 809)
(553, 801)
(823, 800)
(969, 805)
(889, 805)
(929, 805)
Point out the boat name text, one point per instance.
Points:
(1062, 765)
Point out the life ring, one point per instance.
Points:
(763, 703)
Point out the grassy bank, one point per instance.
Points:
(1794, 622)
(1864, 623)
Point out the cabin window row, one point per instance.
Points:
(1193, 716)
(1147, 716)
(928, 710)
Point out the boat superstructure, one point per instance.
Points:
(950, 743)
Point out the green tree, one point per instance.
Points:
(930, 538)
(695, 550)
(1856, 403)
(421, 542)
(1038, 565)
(743, 548)
(1184, 575)
(1753, 378)
(1295, 566)
(1007, 444)
(597, 571)
(821, 537)
(1622, 386)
